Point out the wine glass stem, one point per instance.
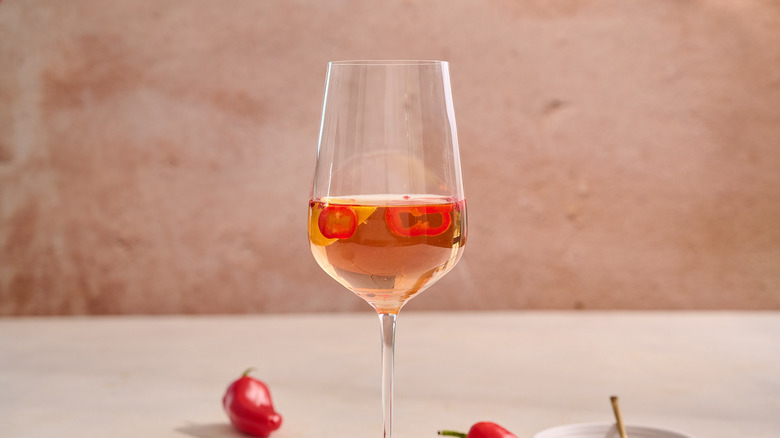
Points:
(387, 331)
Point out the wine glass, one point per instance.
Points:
(387, 214)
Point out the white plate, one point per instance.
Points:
(604, 430)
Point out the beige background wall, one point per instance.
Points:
(155, 155)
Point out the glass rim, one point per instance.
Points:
(368, 62)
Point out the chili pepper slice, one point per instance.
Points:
(315, 233)
(337, 222)
(420, 220)
(483, 429)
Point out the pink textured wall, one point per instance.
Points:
(155, 155)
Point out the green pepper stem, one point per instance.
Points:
(452, 433)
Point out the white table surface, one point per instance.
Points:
(709, 374)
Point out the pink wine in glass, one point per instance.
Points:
(387, 249)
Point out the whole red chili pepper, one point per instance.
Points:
(247, 402)
(483, 429)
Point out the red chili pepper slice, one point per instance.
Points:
(421, 220)
(337, 222)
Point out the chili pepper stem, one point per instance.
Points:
(452, 433)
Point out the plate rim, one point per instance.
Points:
(542, 433)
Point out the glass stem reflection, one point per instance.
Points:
(387, 331)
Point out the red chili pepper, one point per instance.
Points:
(247, 402)
(419, 220)
(337, 222)
(483, 429)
